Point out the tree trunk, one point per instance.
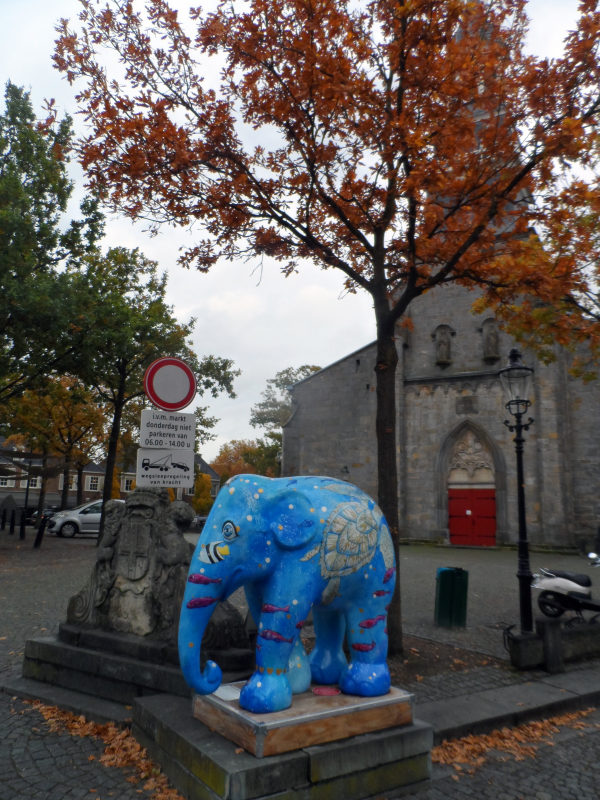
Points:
(44, 479)
(111, 456)
(387, 471)
(79, 485)
(64, 501)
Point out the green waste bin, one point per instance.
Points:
(451, 590)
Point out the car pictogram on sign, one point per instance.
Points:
(163, 464)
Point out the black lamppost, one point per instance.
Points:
(516, 381)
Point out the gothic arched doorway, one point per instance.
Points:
(471, 492)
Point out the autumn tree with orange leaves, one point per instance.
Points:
(406, 143)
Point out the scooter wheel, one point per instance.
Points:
(550, 605)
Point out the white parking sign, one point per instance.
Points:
(164, 467)
(168, 429)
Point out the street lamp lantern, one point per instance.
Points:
(516, 381)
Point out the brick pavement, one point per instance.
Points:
(569, 770)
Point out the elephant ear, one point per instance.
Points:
(293, 525)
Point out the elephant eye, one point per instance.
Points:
(229, 531)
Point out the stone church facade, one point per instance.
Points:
(456, 458)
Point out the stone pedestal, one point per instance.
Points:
(202, 764)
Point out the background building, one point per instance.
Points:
(456, 459)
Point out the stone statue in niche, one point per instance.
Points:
(491, 340)
(443, 347)
(139, 579)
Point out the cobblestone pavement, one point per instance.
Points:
(36, 764)
(36, 585)
(569, 770)
(479, 679)
(493, 591)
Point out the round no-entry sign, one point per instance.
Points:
(170, 384)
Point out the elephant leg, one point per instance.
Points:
(367, 675)
(298, 669)
(278, 632)
(327, 659)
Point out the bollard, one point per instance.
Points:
(40, 534)
(11, 530)
(22, 524)
(3, 525)
(551, 632)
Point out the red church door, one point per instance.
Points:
(472, 516)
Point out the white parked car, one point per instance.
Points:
(83, 519)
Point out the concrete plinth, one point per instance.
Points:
(202, 764)
(552, 644)
(120, 678)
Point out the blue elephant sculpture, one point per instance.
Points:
(294, 544)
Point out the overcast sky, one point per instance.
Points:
(266, 322)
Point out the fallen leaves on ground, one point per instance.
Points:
(520, 742)
(122, 750)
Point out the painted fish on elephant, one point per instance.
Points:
(294, 545)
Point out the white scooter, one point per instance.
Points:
(566, 591)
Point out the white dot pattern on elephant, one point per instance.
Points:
(249, 518)
(259, 684)
(295, 602)
(291, 506)
(268, 560)
(324, 508)
(171, 384)
(256, 496)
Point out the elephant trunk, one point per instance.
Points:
(195, 616)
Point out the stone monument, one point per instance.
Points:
(139, 577)
(120, 637)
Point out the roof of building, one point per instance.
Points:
(206, 468)
(329, 366)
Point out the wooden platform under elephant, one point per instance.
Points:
(312, 718)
